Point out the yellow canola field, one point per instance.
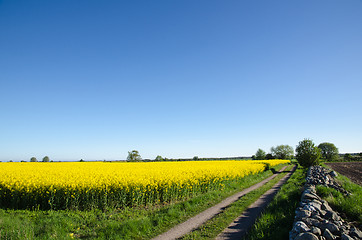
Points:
(115, 184)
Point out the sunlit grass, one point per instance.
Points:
(277, 219)
(351, 205)
(143, 222)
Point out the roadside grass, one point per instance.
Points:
(216, 225)
(129, 223)
(349, 206)
(277, 219)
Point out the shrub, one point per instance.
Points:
(159, 158)
(307, 154)
(347, 157)
(260, 154)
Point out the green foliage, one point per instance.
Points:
(329, 151)
(307, 154)
(267, 166)
(195, 158)
(33, 159)
(260, 154)
(159, 158)
(46, 159)
(348, 157)
(350, 205)
(282, 152)
(277, 219)
(114, 223)
(352, 157)
(134, 156)
(269, 156)
(217, 224)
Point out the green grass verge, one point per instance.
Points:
(129, 223)
(214, 226)
(350, 206)
(277, 219)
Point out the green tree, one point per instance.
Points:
(159, 158)
(307, 154)
(282, 152)
(347, 157)
(195, 158)
(260, 154)
(269, 156)
(46, 159)
(134, 156)
(329, 151)
(33, 159)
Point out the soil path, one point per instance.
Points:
(196, 221)
(242, 224)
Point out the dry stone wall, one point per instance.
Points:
(315, 219)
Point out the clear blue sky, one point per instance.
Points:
(96, 79)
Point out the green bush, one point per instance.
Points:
(307, 154)
(329, 151)
(260, 154)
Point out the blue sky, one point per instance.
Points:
(96, 79)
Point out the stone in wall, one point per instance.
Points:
(314, 218)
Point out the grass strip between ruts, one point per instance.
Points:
(277, 219)
(216, 225)
(132, 223)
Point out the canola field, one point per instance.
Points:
(87, 185)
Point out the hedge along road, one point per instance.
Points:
(196, 221)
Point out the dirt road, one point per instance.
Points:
(242, 224)
(196, 221)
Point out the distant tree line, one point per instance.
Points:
(350, 157)
(45, 159)
(307, 153)
(134, 156)
(278, 152)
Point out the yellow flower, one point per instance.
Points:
(70, 183)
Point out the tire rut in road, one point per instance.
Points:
(192, 223)
(240, 226)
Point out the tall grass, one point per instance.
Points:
(351, 205)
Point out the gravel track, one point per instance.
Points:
(196, 221)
